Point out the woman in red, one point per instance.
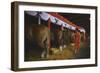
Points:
(77, 41)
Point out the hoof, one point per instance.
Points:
(64, 46)
(61, 49)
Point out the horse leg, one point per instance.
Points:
(47, 44)
(60, 45)
(45, 53)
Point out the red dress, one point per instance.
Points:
(77, 40)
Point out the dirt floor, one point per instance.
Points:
(66, 53)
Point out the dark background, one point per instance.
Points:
(82, 20)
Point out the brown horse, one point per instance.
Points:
(41, 35)
(57, 38)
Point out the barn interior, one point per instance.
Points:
(33, 51)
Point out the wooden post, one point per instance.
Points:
(62, 42)
(84, 34)
(62, 28)
(39, 20)
(49, 26)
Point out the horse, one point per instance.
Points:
(39, 35)
(57, 38)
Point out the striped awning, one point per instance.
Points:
(56, 19)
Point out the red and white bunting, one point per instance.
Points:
(58, 21)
